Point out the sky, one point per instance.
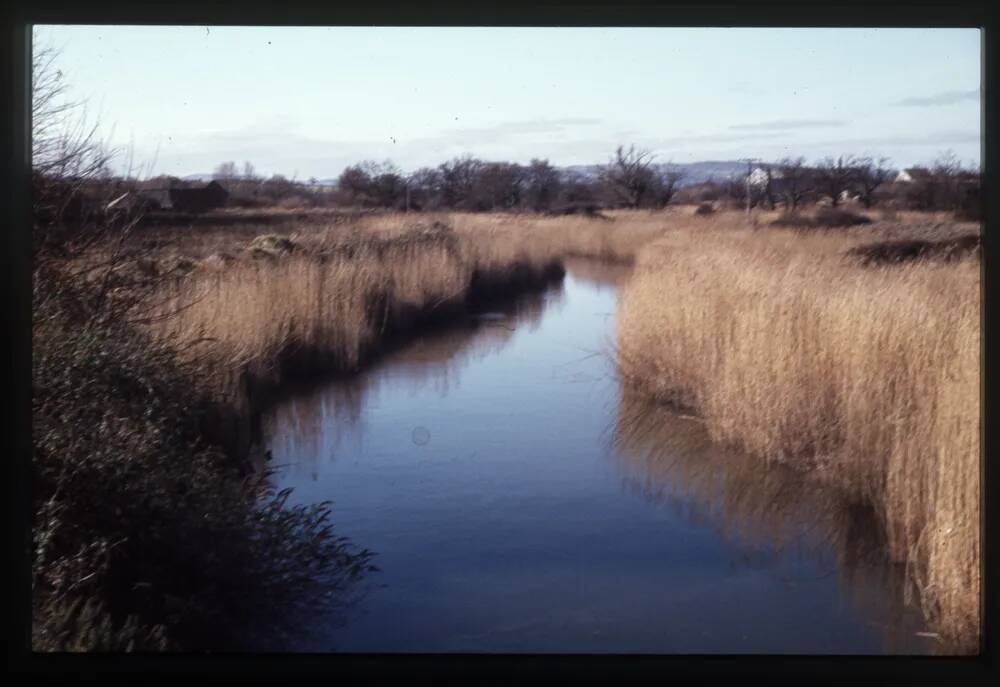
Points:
(307, 102)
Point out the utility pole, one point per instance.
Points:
(748, 185)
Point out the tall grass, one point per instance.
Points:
(340, 292)
(867, 377)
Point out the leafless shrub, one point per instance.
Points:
(834, 176)
(629, 177)
(798, 181)
(870, 175)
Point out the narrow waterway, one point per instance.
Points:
(519, 500)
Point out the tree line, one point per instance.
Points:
(471, 184)
(944, 185)
(629, 179)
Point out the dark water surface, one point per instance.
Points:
(518, 500)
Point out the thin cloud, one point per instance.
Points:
(505, 131)
(933, 138)
(946, 98)
(714, 138)
(783, 124)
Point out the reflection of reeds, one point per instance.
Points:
(599, 272)
(313, 421)
(867, 377)
(672, 459)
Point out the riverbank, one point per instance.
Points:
(866, 377)
(165, 345)
(320, 299)
(230, 313)
(521, 500)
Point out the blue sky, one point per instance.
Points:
(309, 101)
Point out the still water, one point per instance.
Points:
(518, 499)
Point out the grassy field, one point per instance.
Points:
(780, 340)
(867, 377)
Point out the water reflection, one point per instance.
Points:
(768, 509)
(519, 500)
(598, 273)
(313, 419)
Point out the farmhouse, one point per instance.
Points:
(911, 175)
(209, 197)
(768, 181)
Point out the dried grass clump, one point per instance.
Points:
(867, 378)
(822, 218)
(901, 251)
(839, 217)
(271, 245)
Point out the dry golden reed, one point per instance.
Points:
(330, 294)
(870, 378)
(867, 377)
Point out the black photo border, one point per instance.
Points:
(16, 256)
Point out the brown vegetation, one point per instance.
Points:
(330, 297)
(890, 252)
(822, 218)
(867, 378)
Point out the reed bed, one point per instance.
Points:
(869, 378)
(787, 346)
(260, 307)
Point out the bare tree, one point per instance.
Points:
(834, 176)
(353, 184)
(64, 143)
(870, 175)
(388, 185)
(227, 171)
(424, 188)
(458, 179)
(542, 185)
(79, 208)
(628, 176)
(499, 185)
(71, 189)
(668, 183)
(67, 153)
(797, 181)
(946, 172)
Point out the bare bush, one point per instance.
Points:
(798, 181)
(834, 176)
(870, 174)
(629, 177)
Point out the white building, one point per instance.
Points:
(758, 177)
